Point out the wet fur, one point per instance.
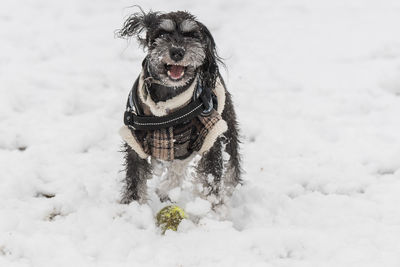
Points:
(201, 58)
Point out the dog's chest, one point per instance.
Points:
(179, 141)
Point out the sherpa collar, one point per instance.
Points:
(162, 108)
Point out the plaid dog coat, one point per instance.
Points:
(179, 141)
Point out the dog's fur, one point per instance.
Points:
(178, 38)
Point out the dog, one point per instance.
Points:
(180, 82)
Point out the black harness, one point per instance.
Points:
(203, 102)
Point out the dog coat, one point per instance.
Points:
(179, 141)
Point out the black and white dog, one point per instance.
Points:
(178, 108)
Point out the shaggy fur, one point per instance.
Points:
(176, 40)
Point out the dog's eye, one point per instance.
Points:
(162, 34)
(191, 34)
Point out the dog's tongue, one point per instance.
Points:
(176, 71)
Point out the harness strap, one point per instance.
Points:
(141, 122)
(132, 104)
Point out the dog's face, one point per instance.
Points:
(178, 46)
(176, 49)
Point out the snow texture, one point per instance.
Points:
(316, 85)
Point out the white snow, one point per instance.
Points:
(317, 90)
(198, 207)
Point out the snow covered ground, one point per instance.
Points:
(317, 89)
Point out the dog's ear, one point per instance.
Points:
(210, 65)
(138, 25)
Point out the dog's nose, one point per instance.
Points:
(176, 54)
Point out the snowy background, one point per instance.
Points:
(317, 89)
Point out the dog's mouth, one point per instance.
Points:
(175, 72)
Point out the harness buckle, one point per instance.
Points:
(128, 119)
(208, 107)
(206, 97)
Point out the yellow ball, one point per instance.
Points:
(169, 217)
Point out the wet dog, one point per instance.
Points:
(178, 108)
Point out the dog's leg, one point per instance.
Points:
(138, 170)
(219, 174)
(209, 172)
(176, 172)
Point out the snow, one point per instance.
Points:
(198, 207)
(317, 91)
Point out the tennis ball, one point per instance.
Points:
(169, 217)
